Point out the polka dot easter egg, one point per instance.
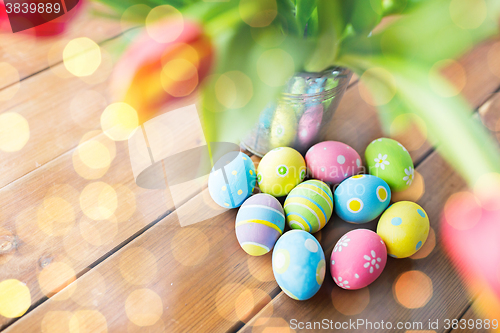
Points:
(259, 223)
(361, 198)
(299, 264)
(280, 171)
(389, 160)
(232, 180)
(332, 161)
(283, 126)
(404, 228)
(357, 259)
(309, 206)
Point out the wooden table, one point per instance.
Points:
(139, 270)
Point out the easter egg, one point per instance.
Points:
(332, 161)
(389, 160)
(283, 126)
(309, 206)
(298, 264)
(266, 116)
(280, 171)
(404, 228)
(234, 181)
(358, 259)
(259, 223)
(309, 124)
(361, 198)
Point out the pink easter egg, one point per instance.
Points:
(332, 161)
(358, 259)
(309, 124)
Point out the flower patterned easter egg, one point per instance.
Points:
(239, 171)
(259, 223)
(332, 161)
(361, 198)
(357, 259)
(309, 206)
(404, 228)
(299, 264)
(283, 126)
(389, 160)
(280, 171)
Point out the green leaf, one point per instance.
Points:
(363, 15)
(248, 74)
(464, 143)
(303, 11)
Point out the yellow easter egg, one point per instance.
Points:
(280, 171)
(283, 127)
(404, 228)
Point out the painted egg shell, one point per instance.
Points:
(309, 206)
(332, 161)
(283, 126)
(280, 171)
(389, 160)
(241, 177)
(266, 116)
(361, 198)
(404, 227)
(310, 124)
(357, 259)
(299, 264)
(259, 223)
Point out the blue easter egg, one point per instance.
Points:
(299, 264)
(361, 198)
(232, 180)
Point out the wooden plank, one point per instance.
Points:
(472, 319)
(30, 55)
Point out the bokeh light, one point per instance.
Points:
(55, 277)
(138, 266)
(383, 80)
(162, 14)
(90, 292)
(413, 289)
(468, 14)
(143, 307)
(119, 120)
(273, 325)
(226, 298)
(10, 77)
(350, 302)
(182, 248)
(82, 56)
(14, 131)
(134, 16)
(179, 77)
(93, 156)
(410, 130)
(84, 107)
(412, 193)
(234, 89)
(56, 321)
(88, 321)
(26, 230)
(98, 201)
(54, 57)
(15, 298)
(103, 71)
(56, 216)
(428, 246)
(270, 36)
(98, 232)
(456, 84)
(258, 13)
(250, 302)
(275, 66)
(462, 210)
(258, 267)
(487, 191)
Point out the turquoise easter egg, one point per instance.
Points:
(259, 223)
(309, 206)
(233, 181)
(298, 264)
(361, 198)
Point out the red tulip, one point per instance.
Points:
(152, 74)
(51, 28)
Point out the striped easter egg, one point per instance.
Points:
(259, 223)
(309, 206)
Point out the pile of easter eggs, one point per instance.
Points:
(298, 260)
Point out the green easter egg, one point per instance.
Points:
(389, 160)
